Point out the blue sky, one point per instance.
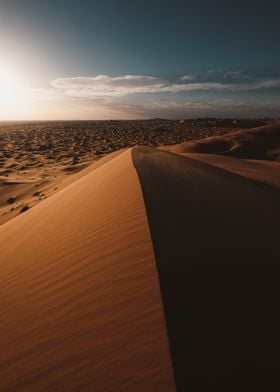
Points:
(142, 59)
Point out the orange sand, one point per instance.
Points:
(80, 301)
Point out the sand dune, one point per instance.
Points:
(31, 187)
(80, 300)
(252, 153)
(151, 270)
(216, 241)
(257, 143)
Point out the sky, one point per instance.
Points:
(120, 59)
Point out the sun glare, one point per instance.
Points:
(14, 96)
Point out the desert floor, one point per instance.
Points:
(140, 256)
(39, 159)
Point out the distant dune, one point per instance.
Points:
(150, 271)
(257, 143)
(258, 148)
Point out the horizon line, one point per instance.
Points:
(143, 119)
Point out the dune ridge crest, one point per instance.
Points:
(79, 293)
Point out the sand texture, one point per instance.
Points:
(135, 268)
(257, 143)
(39, 159)
(80, 300)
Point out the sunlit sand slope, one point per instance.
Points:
(80, 300)
(216, 241)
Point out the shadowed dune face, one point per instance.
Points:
(79, 294)
(258, 143)
(267, 172)
(216, 241)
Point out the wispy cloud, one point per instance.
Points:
(187, 77)
(103, 85)
(175, 109)
(226, 74)
(120, 86)
(142, 96)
